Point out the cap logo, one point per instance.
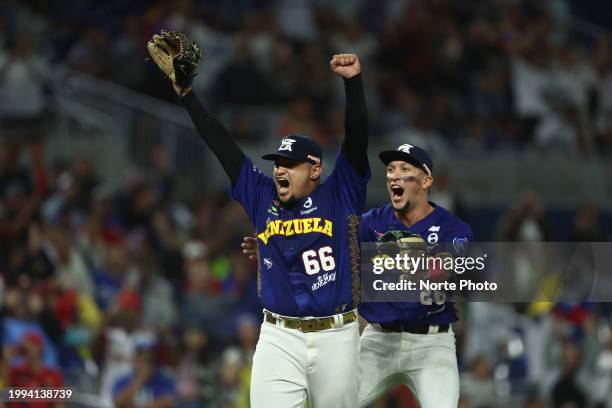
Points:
(405, 148)
(286, 145)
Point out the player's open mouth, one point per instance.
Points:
(283, 185)
(396, 191)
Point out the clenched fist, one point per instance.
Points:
(345, 65)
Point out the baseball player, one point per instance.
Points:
(412, 343)
(307, 237)
(409, 343)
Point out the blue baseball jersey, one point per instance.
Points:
(309, 253)
(439, 227)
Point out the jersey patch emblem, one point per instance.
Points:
(460, 245)
(273, 210)
(308, 207)
(267, 263)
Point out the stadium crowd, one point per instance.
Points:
(133, 294)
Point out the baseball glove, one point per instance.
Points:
(436, 266)
(394, 242)
(176, 55)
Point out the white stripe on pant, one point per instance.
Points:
(290, 366)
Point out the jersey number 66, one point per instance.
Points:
(314, 260)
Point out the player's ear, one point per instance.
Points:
(315, 171)
(427, 181)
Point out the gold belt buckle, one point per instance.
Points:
(311, 325)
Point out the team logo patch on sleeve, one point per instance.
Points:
(460, 245)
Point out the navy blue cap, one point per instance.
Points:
(299, 148)
(410, 154)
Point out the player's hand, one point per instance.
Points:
(249, 248)
(345, 65)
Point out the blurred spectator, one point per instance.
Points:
(587, 226)
(119, 341)
(300, 119)
(574, 78)
(146, 385)
(568, 390)
(91, 53)
(100, 226)
(316, 81)
(113, 276)
(23, 75)
(240, 82)
(17, 205)
(531, 76)
(561, 130)
(33, 372)
(296, 20)
(229, 385)
(422, 134)
(444, 194)
(63, 207)
(260, 31)
(194, 375)
(128, 54)
(248, 333)
(534, 401)
(241, 284)
(282, 72)
(158, 308)
(218, 45)
(602, 390)
(354, 37)
(204, 304)
(80, 321)
(25, 313)
(525, 221)
(478, 386)
(70, 269)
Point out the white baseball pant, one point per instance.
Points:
(426, 363)
(290, 367)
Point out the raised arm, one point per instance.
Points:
(355, 144)
(214, 134)
(178, 56)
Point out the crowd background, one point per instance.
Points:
(134, 292)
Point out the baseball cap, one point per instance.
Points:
(299, 148)
(410, 154)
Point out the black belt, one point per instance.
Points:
(400, 327)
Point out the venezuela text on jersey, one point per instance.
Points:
(296, 226)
